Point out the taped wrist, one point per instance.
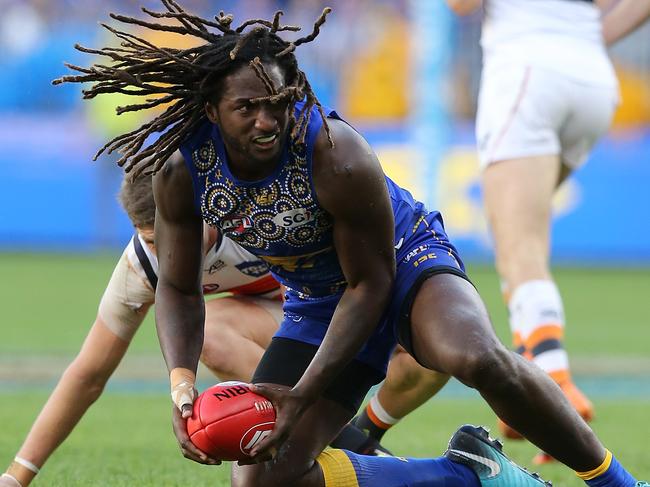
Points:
(182, 386)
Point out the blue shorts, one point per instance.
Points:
(425, 250)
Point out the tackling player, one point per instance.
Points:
(244, 320)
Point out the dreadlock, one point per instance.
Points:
(187, 78)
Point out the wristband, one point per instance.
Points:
(27, 464)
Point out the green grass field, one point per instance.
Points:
(49, 302)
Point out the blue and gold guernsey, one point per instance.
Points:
(280, 220)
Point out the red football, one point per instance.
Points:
(228, 420)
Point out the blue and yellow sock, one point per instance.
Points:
(342, 468)
(610, 473)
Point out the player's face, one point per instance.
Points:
(253, 133)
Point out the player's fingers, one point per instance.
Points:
(193, 453)
(179, 424)
(265, 457)
(268, 391)
(186, 411)
(193, 456)
(269, 445)
(188, 449)
(262, 390)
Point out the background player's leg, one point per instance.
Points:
(407, 386)
(518, 194)
(236, 325)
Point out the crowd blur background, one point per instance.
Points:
(405, 72)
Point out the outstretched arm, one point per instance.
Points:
(623, 18)
(351, 186)
(84, 379)
(79, 387)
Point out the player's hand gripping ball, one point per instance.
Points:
(228, 420)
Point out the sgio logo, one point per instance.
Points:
(293, 218)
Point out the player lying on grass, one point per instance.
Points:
(247, 148)
(238, 328)
(243, 322)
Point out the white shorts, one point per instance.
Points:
(526, 111)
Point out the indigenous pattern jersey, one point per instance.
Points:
(227, 268)
(279, 218)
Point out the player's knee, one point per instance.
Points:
(217, 353)
(489, 367)
(403, 373)
(410, 376)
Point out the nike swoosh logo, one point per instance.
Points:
(494, 467)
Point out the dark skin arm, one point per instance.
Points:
(350, 185)
(180, 308)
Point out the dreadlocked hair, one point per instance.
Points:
(186, 79)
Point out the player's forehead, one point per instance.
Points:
(245, 84)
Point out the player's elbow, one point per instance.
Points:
(380, 288)
(464, 7)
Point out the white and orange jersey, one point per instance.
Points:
(564, 36)
(227, 268)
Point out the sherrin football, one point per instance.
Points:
(228, 420)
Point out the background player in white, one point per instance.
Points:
(242, 321)
(548, 93)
